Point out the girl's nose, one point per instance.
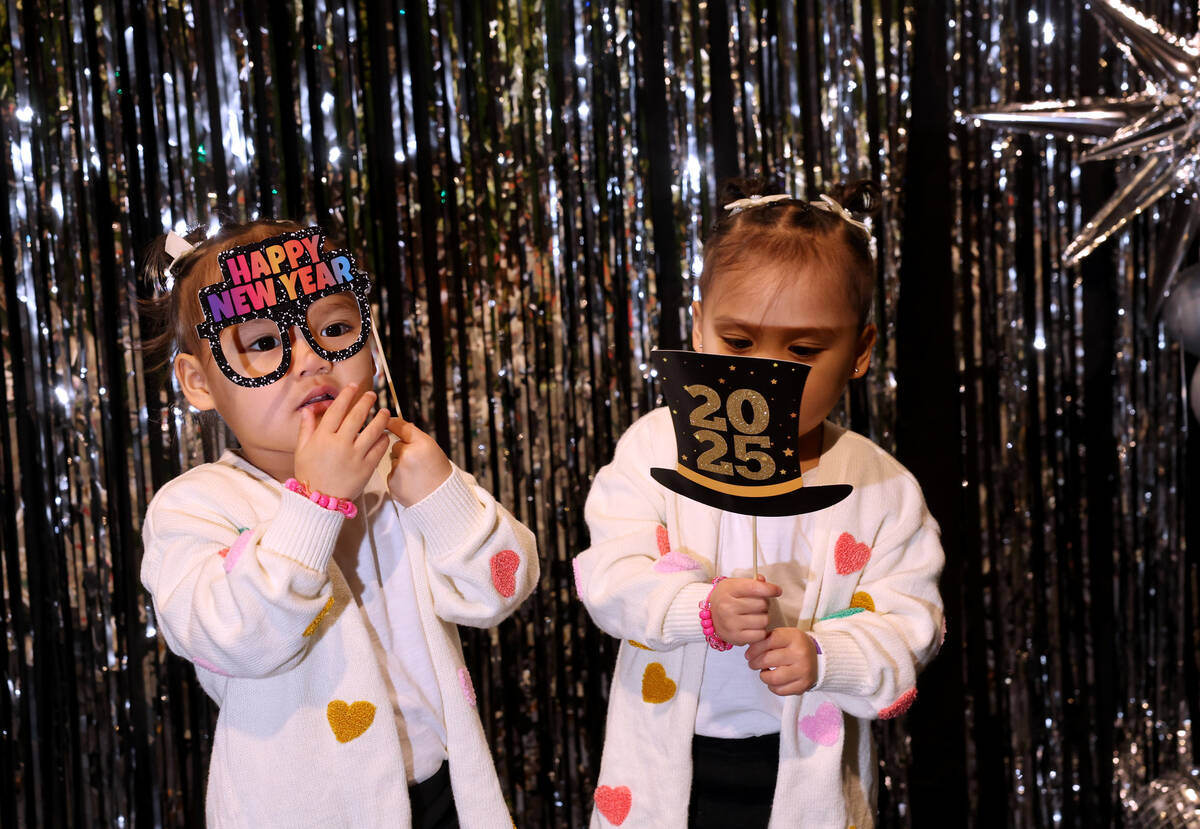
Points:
(304, 359)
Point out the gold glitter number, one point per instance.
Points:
(735, 406)
(718, 448)
(712, 402)
(766, 464)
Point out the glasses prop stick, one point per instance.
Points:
(387, 373)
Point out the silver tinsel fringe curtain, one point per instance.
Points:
(529, 184)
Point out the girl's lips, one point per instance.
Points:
(319, 406)
(319, 399)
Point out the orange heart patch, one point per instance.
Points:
(657, 687)
(349, 720)
(863, 599)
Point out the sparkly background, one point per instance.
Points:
(529, 183)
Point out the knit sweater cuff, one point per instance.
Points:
(450, 515)
(846, 670)
(303, 531)
(682, 622)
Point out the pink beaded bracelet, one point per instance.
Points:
(343, 505)
(706, 623)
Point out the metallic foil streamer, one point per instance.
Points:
(530, 183)
(1073, 436)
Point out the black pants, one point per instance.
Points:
(733, 782)
(432, 801)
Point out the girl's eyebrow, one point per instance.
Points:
(816, 331)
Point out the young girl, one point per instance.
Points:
(315, 575)
(775, 730)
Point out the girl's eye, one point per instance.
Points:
(737, 343)
(336, 329)
(804, 351)
(265, 343)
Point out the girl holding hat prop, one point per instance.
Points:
(315, 575)
(747, 701)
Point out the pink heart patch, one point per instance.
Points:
(900, 705)
(676, 563)
(208, 666)
(614, 803)
(504, 572)
(824, 726)
(850, 555)
(664, 541)
(232, 554)
(468, 687)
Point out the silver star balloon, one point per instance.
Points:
(1161, 124)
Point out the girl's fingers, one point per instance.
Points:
(752, 635)
(375, 453)
(774, 658)
(336, 412)
(308, 424)
(752, 610)
(758, 621)
(756, 650)
(357, 416)
(401, 428)
(373, 431)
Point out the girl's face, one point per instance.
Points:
(804, 315)
(266, 420)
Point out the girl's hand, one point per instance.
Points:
(419, 466)
(793, 656)
(739, 609)
(337, 454)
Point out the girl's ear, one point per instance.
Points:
(697, 337)
(193, 381)
(862, 355)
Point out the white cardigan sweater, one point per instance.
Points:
(872, 605)
(244, 586)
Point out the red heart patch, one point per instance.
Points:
(614, 803)
(850, 555)
(664, 541)
(504, 572)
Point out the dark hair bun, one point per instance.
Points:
(732, 189)
(862, 197)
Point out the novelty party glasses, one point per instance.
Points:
(272, 286)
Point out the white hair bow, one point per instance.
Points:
(833, 206)
(826, 203)
(176, 245)
(755, 201)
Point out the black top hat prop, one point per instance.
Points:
(736, 434)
